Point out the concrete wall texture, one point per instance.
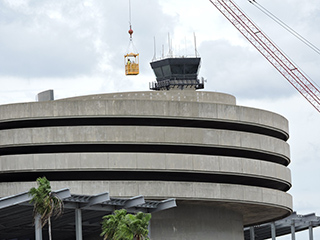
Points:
(226, 165)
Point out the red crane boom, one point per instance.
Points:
(269, 50)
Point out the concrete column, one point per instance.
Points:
(310, 231)
(273, 231)
(78, 221)
(252, 233)
(293, 231)
(196, 221)
(37, 226)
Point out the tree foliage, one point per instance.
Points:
(111, 223)
(46, 203)
(123, 226)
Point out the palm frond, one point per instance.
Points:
(123, 226)
(46, 203)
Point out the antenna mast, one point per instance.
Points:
(170, 46)
(154, 49)
(195, 45)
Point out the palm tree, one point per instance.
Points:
(123, 226)
(135, 227)
(141, 225)
(111, 223)
(46, 203)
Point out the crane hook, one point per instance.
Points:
(130, 32)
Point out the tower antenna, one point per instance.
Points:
(170, 46)
(162, 51)
(195, 44)
(154, 49)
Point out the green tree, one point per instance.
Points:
(135, 226)
(123, 226)
(111, 223)
(46, 203)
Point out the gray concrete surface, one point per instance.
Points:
(256, 204)
(200, 222)
(145, 162)
(143, 107)
(206, 209)
(143, 134)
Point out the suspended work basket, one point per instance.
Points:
(131, 61)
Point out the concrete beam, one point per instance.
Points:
(15, 200)
(99, 198)
(63, 193)
(134, 201)
(25, 197)
(165, 204)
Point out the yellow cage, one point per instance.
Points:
(131, 63)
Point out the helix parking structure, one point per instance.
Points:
(223, 162)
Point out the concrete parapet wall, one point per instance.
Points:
(145, 162)
(143, 135)
(184, 96)
(143, 108)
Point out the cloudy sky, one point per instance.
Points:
(76, 47)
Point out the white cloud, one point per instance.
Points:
(42, 41)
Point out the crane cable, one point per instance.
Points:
(285, 26)
(290, 30)
(130, 31)
(130, 45)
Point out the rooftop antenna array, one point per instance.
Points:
(176, 73)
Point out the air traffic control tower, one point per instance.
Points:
(226, 165)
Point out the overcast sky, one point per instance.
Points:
(76, 47)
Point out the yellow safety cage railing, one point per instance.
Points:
(131, 63)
